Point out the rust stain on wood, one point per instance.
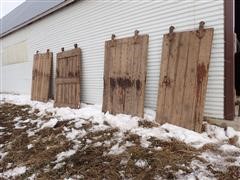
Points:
(41, 76)
(125, 74)
(67, 90)
(185, 60)
(201, 72)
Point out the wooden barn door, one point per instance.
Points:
(67, 90)
(183, 77)
(125, 75)
(41, 76)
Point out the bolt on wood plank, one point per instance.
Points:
(67, 91)
(183, 77)
(125, 75)
(41, 76)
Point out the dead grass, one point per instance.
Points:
(147, 124)
(91, 161)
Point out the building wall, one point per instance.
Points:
(90, 22)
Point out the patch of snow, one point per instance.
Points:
(88, 112)
(158, 148)
(199, 172)
(144, 142)
(216, 132)
(116, 149)
(29, 146)
(2, 155)
(13, 172)
(73, 134)
(128, 144)
(122, 121)
(75, 177)
(30, 133)
(124, 161)
(141, 163)
(149, 114)
(18, 126)
(217, 161)
(97, 144)
(189, 137)
(50, 124)
(16, 119)
(59, 165)
(1, 128)
(63, 155)
(78, 124)
(9, 165)
(32, 177)
(231, 132)
(229, 148)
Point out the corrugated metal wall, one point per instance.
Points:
(89, 23)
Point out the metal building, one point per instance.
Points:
(42, 25)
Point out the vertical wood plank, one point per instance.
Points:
(124, 75)
(68, 81)
(182, 103)
(202, 76)
(160, 116)
(41, 76)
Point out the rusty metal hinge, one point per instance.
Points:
(201, 31)
(171, 33)
(113, 42)
(136, 33)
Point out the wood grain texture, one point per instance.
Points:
(183, 79)
(41, 76)
(67, 91)
(125, 75)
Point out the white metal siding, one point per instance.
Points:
(90, 23)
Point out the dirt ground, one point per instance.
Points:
(162, 159)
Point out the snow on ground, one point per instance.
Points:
(13, 172)
(92, 116)
(124, 122)
(65, 154)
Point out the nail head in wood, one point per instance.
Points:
(47, 50)
(62, 49)
(75, 45)
(37, 52)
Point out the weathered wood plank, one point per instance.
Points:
(202, 76)
(160, 116)
(179, 82)
(183, 78)
(41, 76)
(124, 75)
(189, 96)
(68, 79)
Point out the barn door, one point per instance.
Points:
(67, 92)
(183, 77)
(41, 76)
(125, 75)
